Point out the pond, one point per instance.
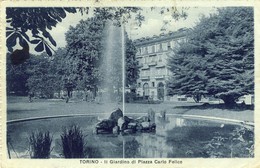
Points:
(175, 137)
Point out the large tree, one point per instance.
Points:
(84, 53)
(217, 57)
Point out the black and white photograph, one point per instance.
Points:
(129, 82)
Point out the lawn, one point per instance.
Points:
(20, 107)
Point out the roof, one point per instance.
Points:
(162, 37)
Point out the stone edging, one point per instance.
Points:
(182, 115)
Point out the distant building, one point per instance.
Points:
(152, 54)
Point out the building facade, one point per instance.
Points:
(152, 55)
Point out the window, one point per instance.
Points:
(160, 47)
(153, 84)
(160, 58)
(146, 50)
(139, 84)
(145, 59)
(159, 71)
(153, 49)
(152, 59)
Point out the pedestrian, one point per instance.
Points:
(30, 95)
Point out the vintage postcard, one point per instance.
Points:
(129, 83)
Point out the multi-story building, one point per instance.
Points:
(152, 54)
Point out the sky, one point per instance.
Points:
(151, 26)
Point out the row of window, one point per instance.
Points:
(154, 72)
(158, 47)
(146, 85)
(150, 59)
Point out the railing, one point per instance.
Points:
(152, 63)
(145, 77)
(145, 66)
(159, 77)
(140, 65)
(160, 64)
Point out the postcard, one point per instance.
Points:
(129, 83)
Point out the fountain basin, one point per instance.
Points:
(175, 137)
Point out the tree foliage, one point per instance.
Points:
(132, 70)
(217, 57)
(16, 78)
(84, 52)
(42, 80)
(33, 25)
(92, 56)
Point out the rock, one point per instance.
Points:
(132, 126)
(120, 122)
(116, 130)
(123, 122)
(139, 127)
(145, 125)
(128, 119)
(129, 131)
(116, 114)
(142, 119)
(152, 127)
(105, 125)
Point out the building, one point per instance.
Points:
(152, 54)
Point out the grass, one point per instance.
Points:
(19, 107)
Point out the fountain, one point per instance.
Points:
(111, 84)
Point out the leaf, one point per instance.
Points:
(35, 32)
(45, 33)
(35, 41)
(47, 49)
(53, 42)
(10, 28)
(11, 40)
(70, 10)
(61, 12)
(8, 33)
(39, 47)
(21, 41)
(25, 36)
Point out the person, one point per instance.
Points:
(30, 95)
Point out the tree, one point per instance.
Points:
(84, 53)
(132, 70)
(25, 22)
(42, 78)
(217, 57)
(16, 78)
(58, 66)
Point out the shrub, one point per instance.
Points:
(40, 144)
(72, 142)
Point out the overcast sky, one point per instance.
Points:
(151, 26)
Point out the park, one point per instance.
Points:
(57, 96)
